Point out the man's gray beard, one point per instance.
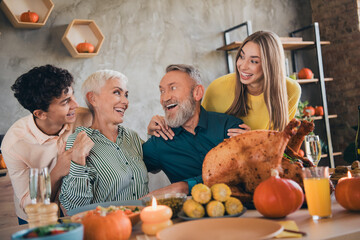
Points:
(185, 112)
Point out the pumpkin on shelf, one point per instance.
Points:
(29, 16)
(85, 47)
(277, 197)
(347, 192)
(305, 73)
(113, 225)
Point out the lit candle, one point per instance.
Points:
(155, 218)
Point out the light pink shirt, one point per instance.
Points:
(26, 146)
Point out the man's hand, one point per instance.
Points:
(179, 187)
(81, 148)
(158, 127)
(237, 131)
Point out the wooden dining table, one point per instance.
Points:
(342, 225)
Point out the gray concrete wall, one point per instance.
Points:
(141, 38)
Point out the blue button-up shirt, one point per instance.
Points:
(181, 158)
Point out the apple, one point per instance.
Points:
(319, 111)
(85, 47)
(305, 73)
(29, 17)
(293, 76)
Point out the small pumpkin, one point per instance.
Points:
(277, 197)
(85, 47)
(29, 17)
(113, 225)
(305, 73)
(309, 111)
(347, 193)
(2, 162)
(319, 111)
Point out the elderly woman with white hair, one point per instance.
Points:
(114, 169)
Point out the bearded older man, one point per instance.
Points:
(196, 131)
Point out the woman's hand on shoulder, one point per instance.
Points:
(243, 128)
(158, 127)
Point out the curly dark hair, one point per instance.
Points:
(38, 87)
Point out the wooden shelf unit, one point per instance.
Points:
(13, 10)
(82, 30)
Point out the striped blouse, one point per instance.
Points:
(113, 171)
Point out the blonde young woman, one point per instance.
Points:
(258, 93)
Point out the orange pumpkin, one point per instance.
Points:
(309, 111)
(29, 17)
(85, 47)
(319, 111)
(2, 162)
(277, 197)
(305, 73)
(114, 225)
(347, 193)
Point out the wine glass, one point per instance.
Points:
(40, 185)
(33, 184)
(45, 185)
(313, 148)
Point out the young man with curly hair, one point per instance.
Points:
(38, 140)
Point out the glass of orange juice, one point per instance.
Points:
(317, 192)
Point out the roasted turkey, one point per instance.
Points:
(242, 162)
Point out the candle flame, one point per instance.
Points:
(154, 203)
(349, 174)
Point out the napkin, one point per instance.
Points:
(291, 225)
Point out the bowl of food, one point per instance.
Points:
(73, 231)
(173, 200)
(132, 212)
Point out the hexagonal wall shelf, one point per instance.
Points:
(80, 31)
(14, 8)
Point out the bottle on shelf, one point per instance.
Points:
(357, 139)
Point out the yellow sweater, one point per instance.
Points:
(220, 95)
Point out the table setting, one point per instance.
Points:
(249, 224)
(306, 205)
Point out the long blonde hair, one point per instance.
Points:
(274, 84)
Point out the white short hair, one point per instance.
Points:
(97, 80)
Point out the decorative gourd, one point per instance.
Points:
(29, 17)
(277, 197)
(347, 193)
(85, 47)
(114, 225)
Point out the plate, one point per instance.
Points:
(134, 217)
(104, 204)
(75, 234)
(182, 215)
(222, 228)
